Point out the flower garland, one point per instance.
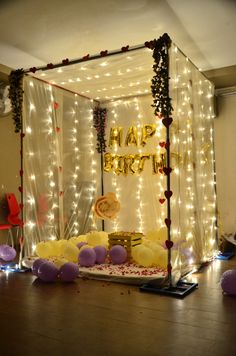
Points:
(16, 96)
(160, 81)
(99, 122)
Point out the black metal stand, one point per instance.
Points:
(181, 290)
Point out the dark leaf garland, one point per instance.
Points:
(16, 96)
(99, 122)
(160, 81)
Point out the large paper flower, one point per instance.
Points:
(106, 206)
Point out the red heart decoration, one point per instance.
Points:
(58, 129)
(149, 44)
(162, 201)
(169, 268)
(167, 170)
(65, 61)
(22, 135)
(167, 121)
(50, 65)
(125, 48)
(103, 53)
(168, 193)
(167, 222)
(162, 144)
(169, 244)
(55, 105)
(167, 144)
(86, 57)
(160, 170)
(21, 172)
(20, 189)
(33, 69)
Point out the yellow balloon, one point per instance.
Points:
(95, 238)
(70, 252)
(162, 259)
(145, 257)
(135, 250)
(55, 248)
(160, 255)
(62, 244)
(85, 246)
(81, 238)
(44, 249)
(58, 262)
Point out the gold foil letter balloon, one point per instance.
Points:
(115, 136)
(132, 136)
(147, 131)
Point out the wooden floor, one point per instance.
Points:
(99, 318)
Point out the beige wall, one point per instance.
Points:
(9, 159)
(225, 151)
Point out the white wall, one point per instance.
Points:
(225, 151)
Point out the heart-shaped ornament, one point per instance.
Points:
(162, 144)
(167, 121)
(169, 244)
(162, 201)
(167, 170)
(168, 194)
(167, 222)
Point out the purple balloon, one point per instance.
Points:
(118, 254)
(80, 244)
(48, 272)
(37, 263)
(68, 272)
(7, 253)
(87, 257)
(228, 281)
(101, 254)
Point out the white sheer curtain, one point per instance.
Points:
(193, 205)
(61, 166)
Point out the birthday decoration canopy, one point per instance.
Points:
(136, 124)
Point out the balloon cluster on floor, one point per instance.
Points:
(92, 248)
(47, 271)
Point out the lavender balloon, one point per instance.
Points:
(80, 244)
(87, 257)
(68, 272)
(118, 254)
(228, 282)
(37, 263)
(101, 254)
(48, 272)
(7, 253)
